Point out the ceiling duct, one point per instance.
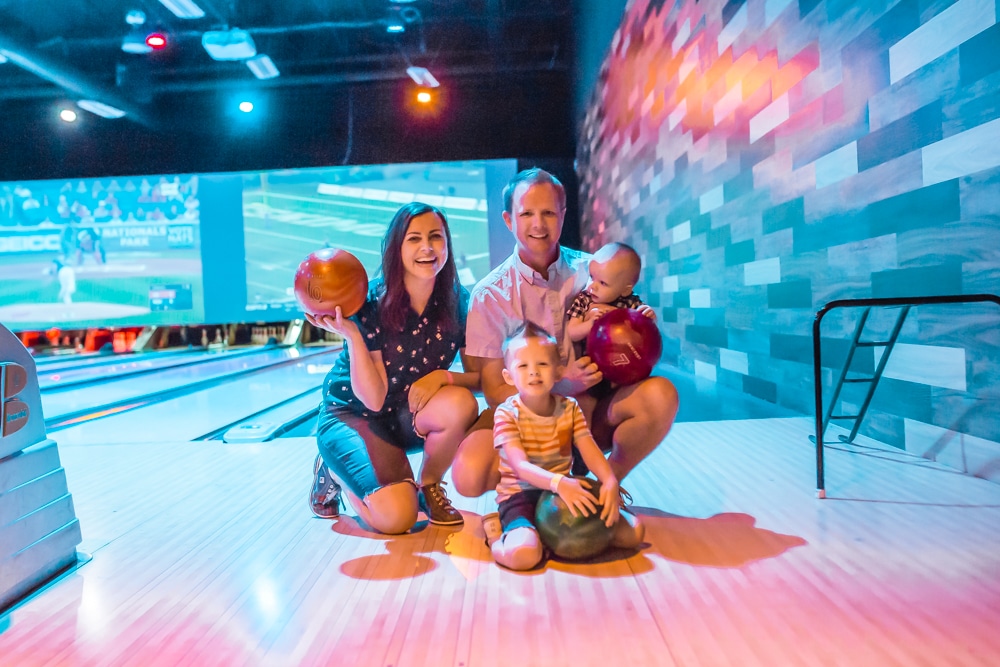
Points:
(73, 82)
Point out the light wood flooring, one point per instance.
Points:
(206, 554)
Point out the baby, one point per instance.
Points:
(614, 270)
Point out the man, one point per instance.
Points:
(537, 283)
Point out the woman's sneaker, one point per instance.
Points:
(324, 496)
(435, 504)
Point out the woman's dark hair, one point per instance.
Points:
(394, 301)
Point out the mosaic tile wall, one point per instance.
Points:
(768, 156)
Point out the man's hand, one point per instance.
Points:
(578, 377)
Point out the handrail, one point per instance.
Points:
(817, 351)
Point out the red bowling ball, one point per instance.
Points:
(625, 345)
(329, 278)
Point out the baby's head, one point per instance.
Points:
(614, 271)
(531, 358)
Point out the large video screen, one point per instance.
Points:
(117, 251)
(212, 248)
(288, 214)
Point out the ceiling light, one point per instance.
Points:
(263, 67)
(156, 41)
(135, 40)
(67, 115)
(229, 44)
(183, 9)
(246, 107)
(424, 97)
(100, 109)
(397, 17)
(422, 77)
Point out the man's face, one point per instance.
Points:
(536, 219)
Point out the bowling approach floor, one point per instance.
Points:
(205, 553)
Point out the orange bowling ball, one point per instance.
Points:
(329, 278)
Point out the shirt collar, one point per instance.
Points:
(556, 269)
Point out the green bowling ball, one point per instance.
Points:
(571, 537)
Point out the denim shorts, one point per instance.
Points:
(367, 453)
(521, 506)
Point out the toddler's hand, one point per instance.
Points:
(596, 310)
(647, 311)
(577, 497)
(610, 500)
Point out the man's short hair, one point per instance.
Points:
(530, 177)
(529, 330)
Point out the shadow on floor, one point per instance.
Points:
(729, 540)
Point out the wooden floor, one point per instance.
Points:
(206, 554)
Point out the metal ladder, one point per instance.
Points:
(906, 303)
(872, 381)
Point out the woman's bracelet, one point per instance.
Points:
(451, 378)
(554, 482)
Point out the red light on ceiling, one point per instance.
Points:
(424, 97)
(156, 41)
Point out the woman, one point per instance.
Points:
(390, 391)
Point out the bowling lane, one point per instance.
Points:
(94, 360)
(63, 403)
(58, 359)
(274, 422)
(55, 381)
(190, 416)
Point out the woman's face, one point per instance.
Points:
(425, 247)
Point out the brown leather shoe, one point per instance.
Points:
(435, 504)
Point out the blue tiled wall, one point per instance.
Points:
(768, 156)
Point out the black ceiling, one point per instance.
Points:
(504, 68)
